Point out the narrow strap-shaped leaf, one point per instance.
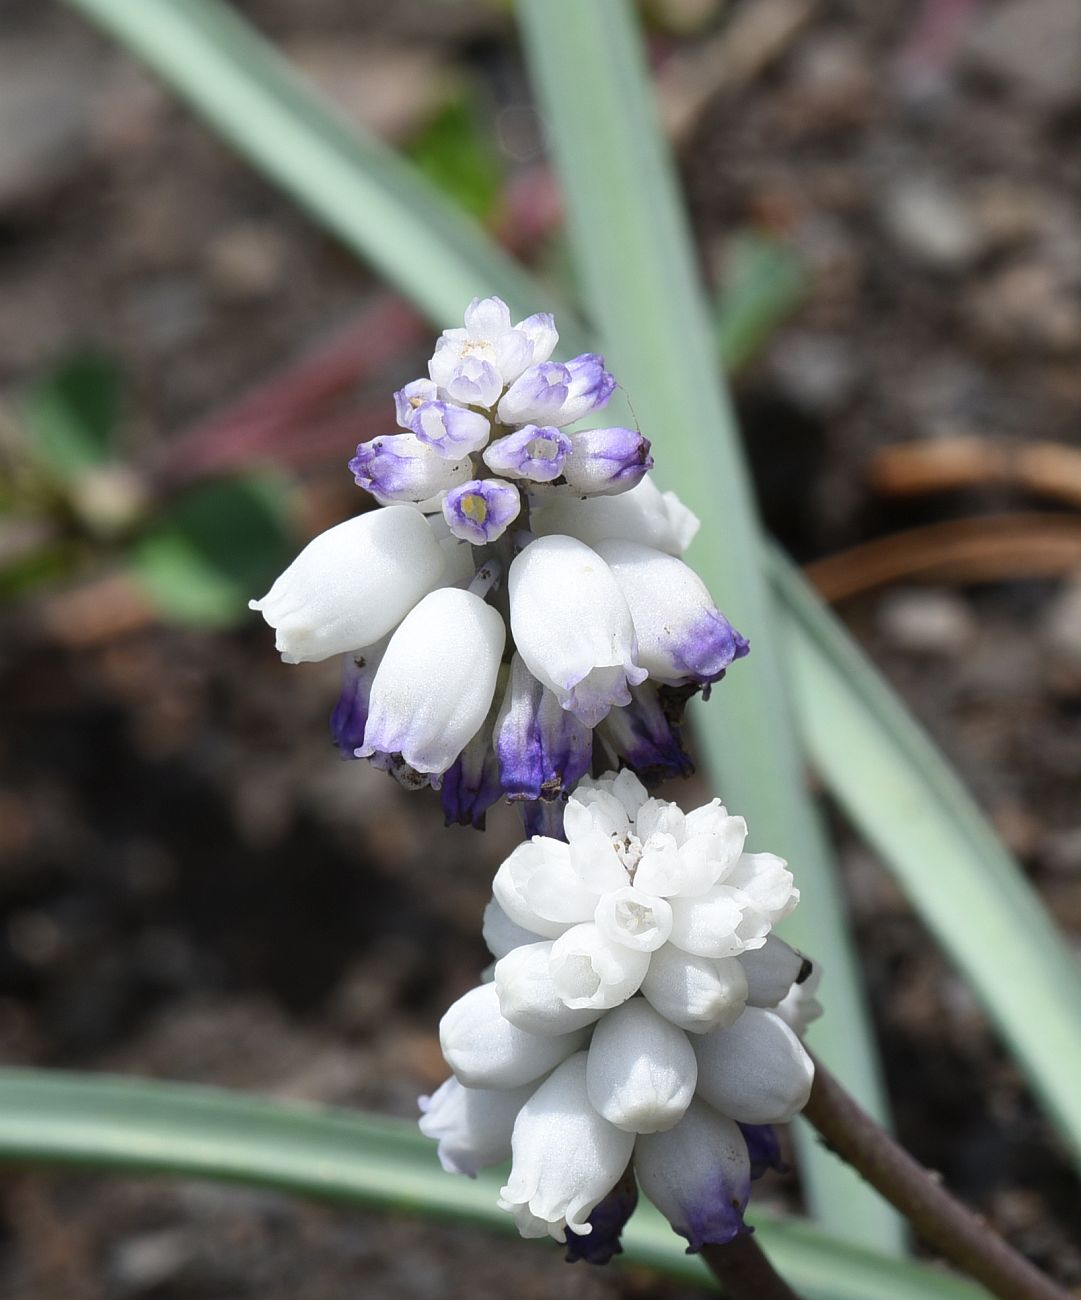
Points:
(636, 262)
(144, 1127)
(895, 786)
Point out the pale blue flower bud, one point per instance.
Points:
(481, 510)
(533, 453)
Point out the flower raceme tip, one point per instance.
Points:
(490, 492)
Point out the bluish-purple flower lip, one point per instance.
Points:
(608, 1220)
(763, 1148)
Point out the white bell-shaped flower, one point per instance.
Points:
(695, 993)
(566, 1159)
(771, 971)
(642, 1070)
(682, 636)
(500, 933)
(473, 1126)
(590, 970)
(756, 1071)
(644, 514)
(528, 997)
(572, 627)
(485, 1050)
(737, 912)
(352, 584)
(698, 1175)
(435, 684)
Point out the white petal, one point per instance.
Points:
(486, 1051)
(352, 584)
(771, 971)
(528, 997)
(597, 863)
(644, 514)
(501, 934)
(801, 1007)
(642, 1070)
(592, 971)
(706, 858)
(755, 1071)
(473, 1126)
(709, 925)
(566, 1157)
(572, 626)
(698, 1175)
(659, 817)
(589, 810)
(767, 881)
(512, 881)
(634, 919)
(435, 685)
(696, 993)
(487, 319)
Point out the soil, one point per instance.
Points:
(193, 886)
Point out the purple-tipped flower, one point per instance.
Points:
(543, 750)
(555, 394)
(471, 783)
(698, 1175)
(605, 462)
(450, 430)
(402, 468)
(350, 715)
(481, 510)
(489, 337)
(682, 636)
(763, 1149)
(646, 734)
(409, 398)
(532, 453)
(606, 1225)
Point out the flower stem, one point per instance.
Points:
(745, 1273)
(961, 1236)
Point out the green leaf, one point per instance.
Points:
(911, 808)
(375, 202)
(72, 414)
(762, 283)
(215, 548)
(144, 1127)
(640, 279)
(414, 236)
(453, 154)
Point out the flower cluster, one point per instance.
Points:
(639, 1027)
(519, 594)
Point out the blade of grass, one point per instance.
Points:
(440, 268)
(635, 260)
(913, 810)
(373, 200)
(145, 1127)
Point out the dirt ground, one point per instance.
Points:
(193, 886)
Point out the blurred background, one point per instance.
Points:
(192, 884)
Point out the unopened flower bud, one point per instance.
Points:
(481, 510)
(450, 430)
(352, 584)
(402, 468)
(641, 1070)
(531, 453)
(607, 462)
